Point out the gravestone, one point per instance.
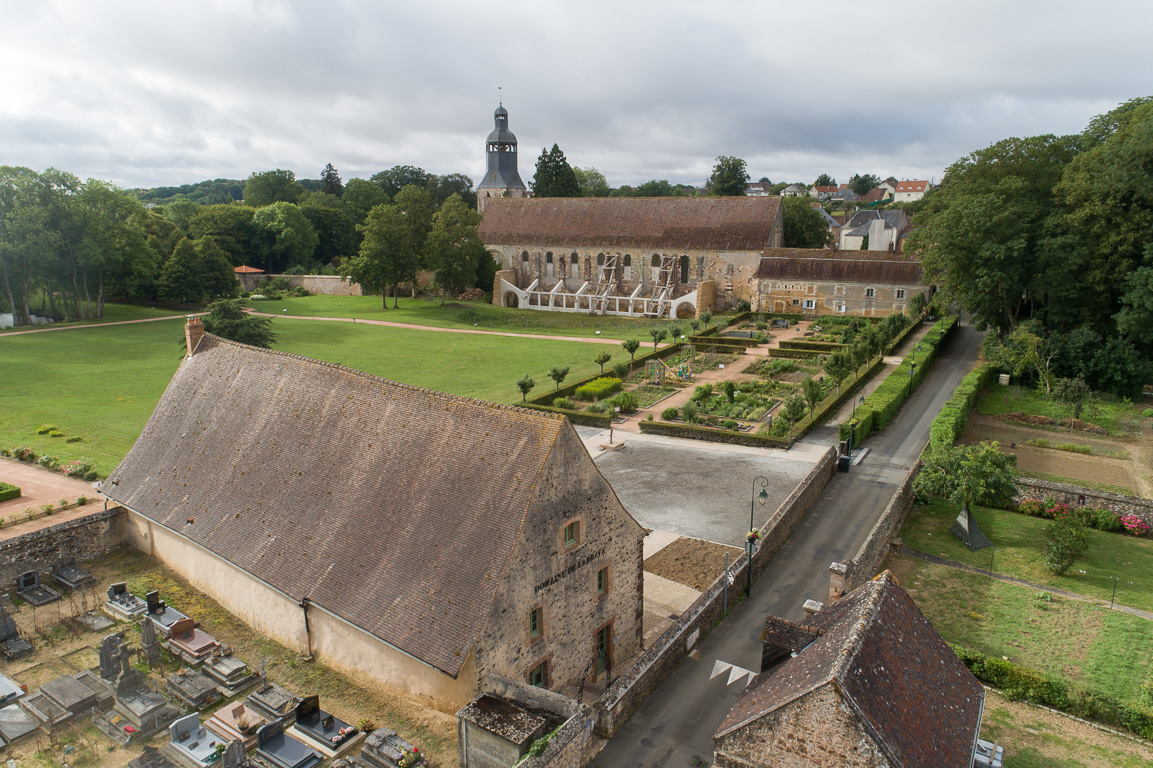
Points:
(109, 657)
(68, 574)
(384, 748)
(233, 756)
(122, 603)
(12, 641)
(149, 644)
(154, 603)
(28, 586)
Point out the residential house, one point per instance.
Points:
(875, 231)
(822, 192)
(908, 191)
(795, 190)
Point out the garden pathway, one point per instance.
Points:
(70, 327)
(39, 487)
(1022, 583)
(588, 339)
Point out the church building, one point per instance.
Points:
(413, 538)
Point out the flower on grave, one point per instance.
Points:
(753, 535)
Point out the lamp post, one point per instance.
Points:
(858, 395)
(912, 370)
(753, 534)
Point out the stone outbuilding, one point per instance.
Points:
(815, 281)
(403, 536)
(629, 247)
(865, 683)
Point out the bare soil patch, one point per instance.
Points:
(1076, 467)
(692, 562)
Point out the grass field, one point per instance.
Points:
(1017, 541)
(1117, 418)
(101, 384)
(113, 313)
(467, 314)
(1078, 641)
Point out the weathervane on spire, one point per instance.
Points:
(499, 99)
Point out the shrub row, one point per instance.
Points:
(793, 316)
(693, 432)
(881, 407)
(8, 491)
(912, 326)
(721, 341)
(950, 422)
(81, 468)
(816, 346)
(793, 354)
(602, 420)
(1019, 682)
(599, 388)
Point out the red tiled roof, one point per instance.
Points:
(912, 186)
(248, 270)
(830, 189)
(907, 687)
(677, 223)
(393, 507)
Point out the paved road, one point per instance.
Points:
(674, 728)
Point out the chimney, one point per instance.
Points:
(781, 639)
(193, 331)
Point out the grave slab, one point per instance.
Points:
(14, 723)
(229, 673)
(275, 702)
(275, 749)
(322, 731)
(123, 604)
(237, 722)
(10, 690)
(193, 689)
(28, 586)
(193, 741)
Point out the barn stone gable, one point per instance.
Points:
(393, 507)
(661, 223)
(917, 701)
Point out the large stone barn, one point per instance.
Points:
(408, 537)
(827, 282)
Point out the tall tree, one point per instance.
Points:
(335, 229)
(415, 204)
(825, 180)
(268, 187)
(196, 272)
(657, 188)
(227, 319)
(730, 177)
(330, 182)
(554, 176)
(361, 196)
(443, 187)
(386, 257)
(285, 235)
(398, 177)
(804, 226)
(861, 184)
(591, 182)
(453, 249)
(231, 226)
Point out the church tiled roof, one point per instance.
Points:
(907, 687)
(393, 507)
(665, 223)
(819, 265)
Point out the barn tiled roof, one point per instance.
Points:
(819, 265)
(393, 507)
(910, 692)
(673, 223)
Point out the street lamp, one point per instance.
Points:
(858, 395)
(753, 534)
(912, 370)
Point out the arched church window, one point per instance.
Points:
(548, 258)
(524, 256)
(628, 260)
(656, 259)
(600, 259)
(684, 269)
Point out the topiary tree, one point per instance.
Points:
(695, 325)
(706, 319)
(558, 373)
(658, 335)
(813, 391)
(839, 366)
(793, 411)
(601, 359)
(525, 385)
(689, 412)
(1065, 541)
(674, 332)
(631, 346)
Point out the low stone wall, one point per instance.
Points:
(663, 656)
(85, 538)
(1076, 496)
(875, 548)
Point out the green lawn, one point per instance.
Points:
(1079, 641)
(468, 314)
(113, 313)
(999, 399)
(101, 384)
(1017, 541)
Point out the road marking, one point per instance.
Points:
(735, 672)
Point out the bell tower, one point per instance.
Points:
(501, 179)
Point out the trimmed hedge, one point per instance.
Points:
(722, 341)
(794, 354)
(1019, 682)
(796, 316)
(817, 346)
(8, 491)
(950, 422)
(912, 326)
(602, 420)
(881, 407)
(694, 432)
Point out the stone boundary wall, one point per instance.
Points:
(1076, 496)
(325, 285)
(867, 561)
(636, 684)
(84, 538)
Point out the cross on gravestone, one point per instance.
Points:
(109, 661)
(149, 643)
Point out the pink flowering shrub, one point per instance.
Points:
(1134, 525)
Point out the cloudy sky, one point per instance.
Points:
(165, 93)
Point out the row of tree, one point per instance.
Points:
(1048, 240)
(72, 243)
